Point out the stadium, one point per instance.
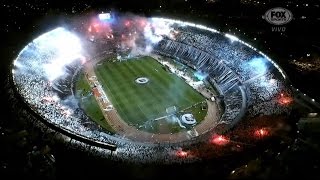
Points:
(149, 89)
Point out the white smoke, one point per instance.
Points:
(70, 101)
(162, 27)
(67, 48)
(152, 31)
(151, 36)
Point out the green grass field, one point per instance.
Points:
(89, 104)
(139, 103)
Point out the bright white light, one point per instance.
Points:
(104, 16)
(272, 81)
(231, 37)
(161, 27)
(15, 62)
(150, 36)
(54, 50)
(67, 48)
(259, 65)
(158, 28)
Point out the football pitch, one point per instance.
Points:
(139, 103)
(89, 104)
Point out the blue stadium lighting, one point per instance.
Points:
(200, 75)
(104, 16)
(259, 65)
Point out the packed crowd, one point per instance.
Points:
(223, 60)
(245, 78)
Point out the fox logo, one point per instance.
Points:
(278, 16)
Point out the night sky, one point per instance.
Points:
(293, 49)
(23, 20)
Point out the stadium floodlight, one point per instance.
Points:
(231, 37)
(104, 16)
(15, 62)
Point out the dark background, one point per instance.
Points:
(23, 20)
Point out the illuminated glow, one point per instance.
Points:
(83, 60)
(61, 48)
(231, 37)
(104, 16)
(272, 81)
(284, 99)
(259, 65)
(161, 27)
(67, 48)
(156, 34)
(219, 140)
(127, 23)
(181, 153)
(15, 62)
(150, 36)
(200, 75)
(261, 133)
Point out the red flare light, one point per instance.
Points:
(181, 153)
(260, 133)
(127, 23)
(219, 140)
(285, 100)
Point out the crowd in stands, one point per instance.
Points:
(211, 53)
(227, 62)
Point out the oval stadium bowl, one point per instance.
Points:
(150, 89)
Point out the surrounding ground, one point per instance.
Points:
(138, 104)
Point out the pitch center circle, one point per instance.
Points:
(142, 80)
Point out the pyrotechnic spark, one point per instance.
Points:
(285, 99)
(181, 153)
(219, 140)
(262, 132)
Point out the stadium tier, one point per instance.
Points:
(146, 89)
